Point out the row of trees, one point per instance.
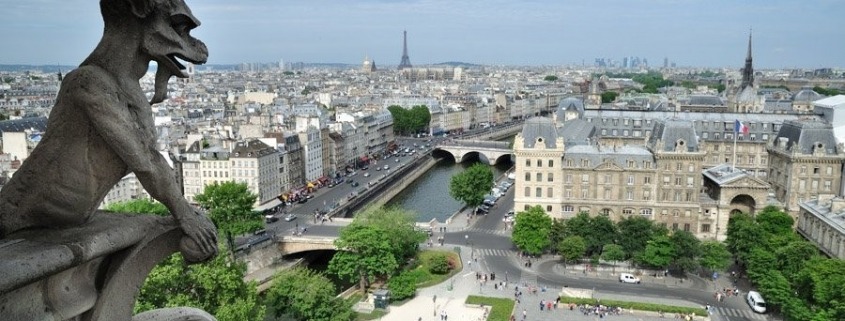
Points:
(409, 121)
(633, 238)
(785, 268)
(651, 80)
(827, 91)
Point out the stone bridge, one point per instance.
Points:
(296, 244)
(490, 152)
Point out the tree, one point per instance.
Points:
(687, 249)
(400, 227)
(438, 263)
(634, 234)
(471, 185)
(792, 257)
(774, 221)
(306, 295)
(602, 231)
(216, 286)
(229, 206)
(608, 97)
(407, 121)
(550, 78)
(613, 253)
(658, 252)
(402, 286)
(557, 233)
(365, 251)
(572, 248)
(142, 206)
(743, 235)
(531, 230)
(714, 256)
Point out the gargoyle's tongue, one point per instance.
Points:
(162, 76)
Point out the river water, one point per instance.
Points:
(429, 195)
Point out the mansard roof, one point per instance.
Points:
(670, 134)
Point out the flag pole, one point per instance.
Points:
(736, 133)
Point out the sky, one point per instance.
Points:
(699, 33)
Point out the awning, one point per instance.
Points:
(271, 204)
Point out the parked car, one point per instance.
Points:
(481, 210)
(755, 300)
(355, 184)
(270, 218)
(386, 167)
(366, 174)
(365, 167)
(290, 217)
(303, 200)
(628, 278)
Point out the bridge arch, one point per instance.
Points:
(442, 153)
(504, 158)
(473, 155)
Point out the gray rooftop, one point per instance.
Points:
(673, 134)
(577, 132)
(597, 155)
(822, 210)
(807, 134)
(19, 125)
(723, 174)
(539, 127)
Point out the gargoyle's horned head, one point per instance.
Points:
(166, 38)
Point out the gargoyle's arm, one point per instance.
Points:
(114, 122)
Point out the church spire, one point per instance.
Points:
(748, 70)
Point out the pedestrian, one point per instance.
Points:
(524, 314)
(542, 304)
(548, 305)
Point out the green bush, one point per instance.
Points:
(402, 286)
(500, 309)
(636, 305)
(438, 264)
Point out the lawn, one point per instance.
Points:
(501, 309)
(426, 278)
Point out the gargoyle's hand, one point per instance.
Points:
(199, 229)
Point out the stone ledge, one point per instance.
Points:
(31, 255)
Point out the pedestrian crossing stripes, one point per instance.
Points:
(494, 252)
(486, 231)
(737, 314)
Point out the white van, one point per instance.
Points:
(628, 278)
(755, 300)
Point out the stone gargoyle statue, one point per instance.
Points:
(100, 129)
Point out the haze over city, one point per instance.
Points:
(691, 33)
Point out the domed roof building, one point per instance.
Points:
(803, 100)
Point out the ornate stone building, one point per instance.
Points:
(822, 221)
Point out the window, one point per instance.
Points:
(548, 208)
(630, 179)
(538, 192)
(539, 163)
(551, 163)
(646, 195)
(679, 166)
(803, 169)
(686, 227)
(539, 177)
(550, 177)
(627, 211)
(568, 208)
(585, 193)
(827, 185)
(527, 191)
(585, 178)
(705, 228)
(567, 192)
(607, 178)
(645, 212)
(568, 179)
(647, 180)
(527, 163)
(674, 226)
(829, 170)
(549, 192)
(629, 194)
(527, 177)
(678, 181)
(816, 170)
(690, 181)
(605, 212)
(527, 207)
(607, 193)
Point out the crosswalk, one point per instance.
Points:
(494, 252)
(487, 231)
(732, 314)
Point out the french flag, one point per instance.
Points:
(739, 127)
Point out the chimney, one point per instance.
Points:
(837, 204)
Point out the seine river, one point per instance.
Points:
(429, 195)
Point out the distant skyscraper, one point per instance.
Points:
(406, 62)
(665, 62)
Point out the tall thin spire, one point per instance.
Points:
(405, 63)
(748, 70)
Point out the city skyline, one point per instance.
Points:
(691, 33)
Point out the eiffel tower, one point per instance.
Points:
(406, 62)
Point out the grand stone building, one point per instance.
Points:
(674, 168)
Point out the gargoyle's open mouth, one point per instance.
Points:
(177, 61)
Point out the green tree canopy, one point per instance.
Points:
(216, 286)
(714, 256)
(634, 234)
(596, 231)
(773, 221)
(409, 121)
(609, 97)
(365, 252)
(572, 248)
(471, 185)
(229, 206)
(306, 295)
(743, 235)
(687, 249)
(613, 253)
(658, 253)
(531, 230)
(375, 244)
(140, 206)
(550, 78)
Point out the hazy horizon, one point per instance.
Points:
(787, 34)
